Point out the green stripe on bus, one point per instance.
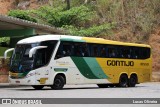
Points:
(95, 68)
(84, 68)
(72, 40)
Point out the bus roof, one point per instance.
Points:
(105, 41)
(41, 38)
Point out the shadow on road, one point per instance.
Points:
(11, 86)
(31, 89)
(74, 88)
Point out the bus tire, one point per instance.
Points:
(37, 87)
(59, 82)
(132, 81)
(123, 81)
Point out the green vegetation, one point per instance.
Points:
(4, 41)
(59, 17)
(93, 31)
(3, 50)
(22, 15)
(98, 17)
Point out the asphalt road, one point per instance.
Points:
(144, 90)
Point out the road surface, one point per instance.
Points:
(144, 90)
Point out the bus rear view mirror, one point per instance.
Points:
(8, 50)
(33, 50)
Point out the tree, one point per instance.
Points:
(68, 4)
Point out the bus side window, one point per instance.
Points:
(59, 52)
(94, 50)
(80, 50)
(40, 58)
(125, 52)
(112, 52)
(148, 52)
(103, 52)
(136, 53)
(77, 50)
(65, 49)
(131, 51)
(85, 50)
(145, 53)
(49, 50)
(43, 56)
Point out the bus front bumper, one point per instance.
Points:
(24, 81)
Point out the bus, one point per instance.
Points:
(58, 60)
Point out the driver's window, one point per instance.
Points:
(40, 59)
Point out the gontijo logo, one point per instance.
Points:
(119, 63)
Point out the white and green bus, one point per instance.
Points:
(58, 60)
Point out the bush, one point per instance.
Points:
(4, 41)
(21, 14)
(91, 31)
(46, 13)
(59, 16)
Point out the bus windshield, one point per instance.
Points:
(20, 61)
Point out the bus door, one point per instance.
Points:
(42, 71)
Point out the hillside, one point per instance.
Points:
(154, 41)
(7, 5)
(136, 21)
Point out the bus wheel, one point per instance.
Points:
(59, 82)
(132, 81)
(37, 87)
(123, 81)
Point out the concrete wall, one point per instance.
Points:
(4, 70)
